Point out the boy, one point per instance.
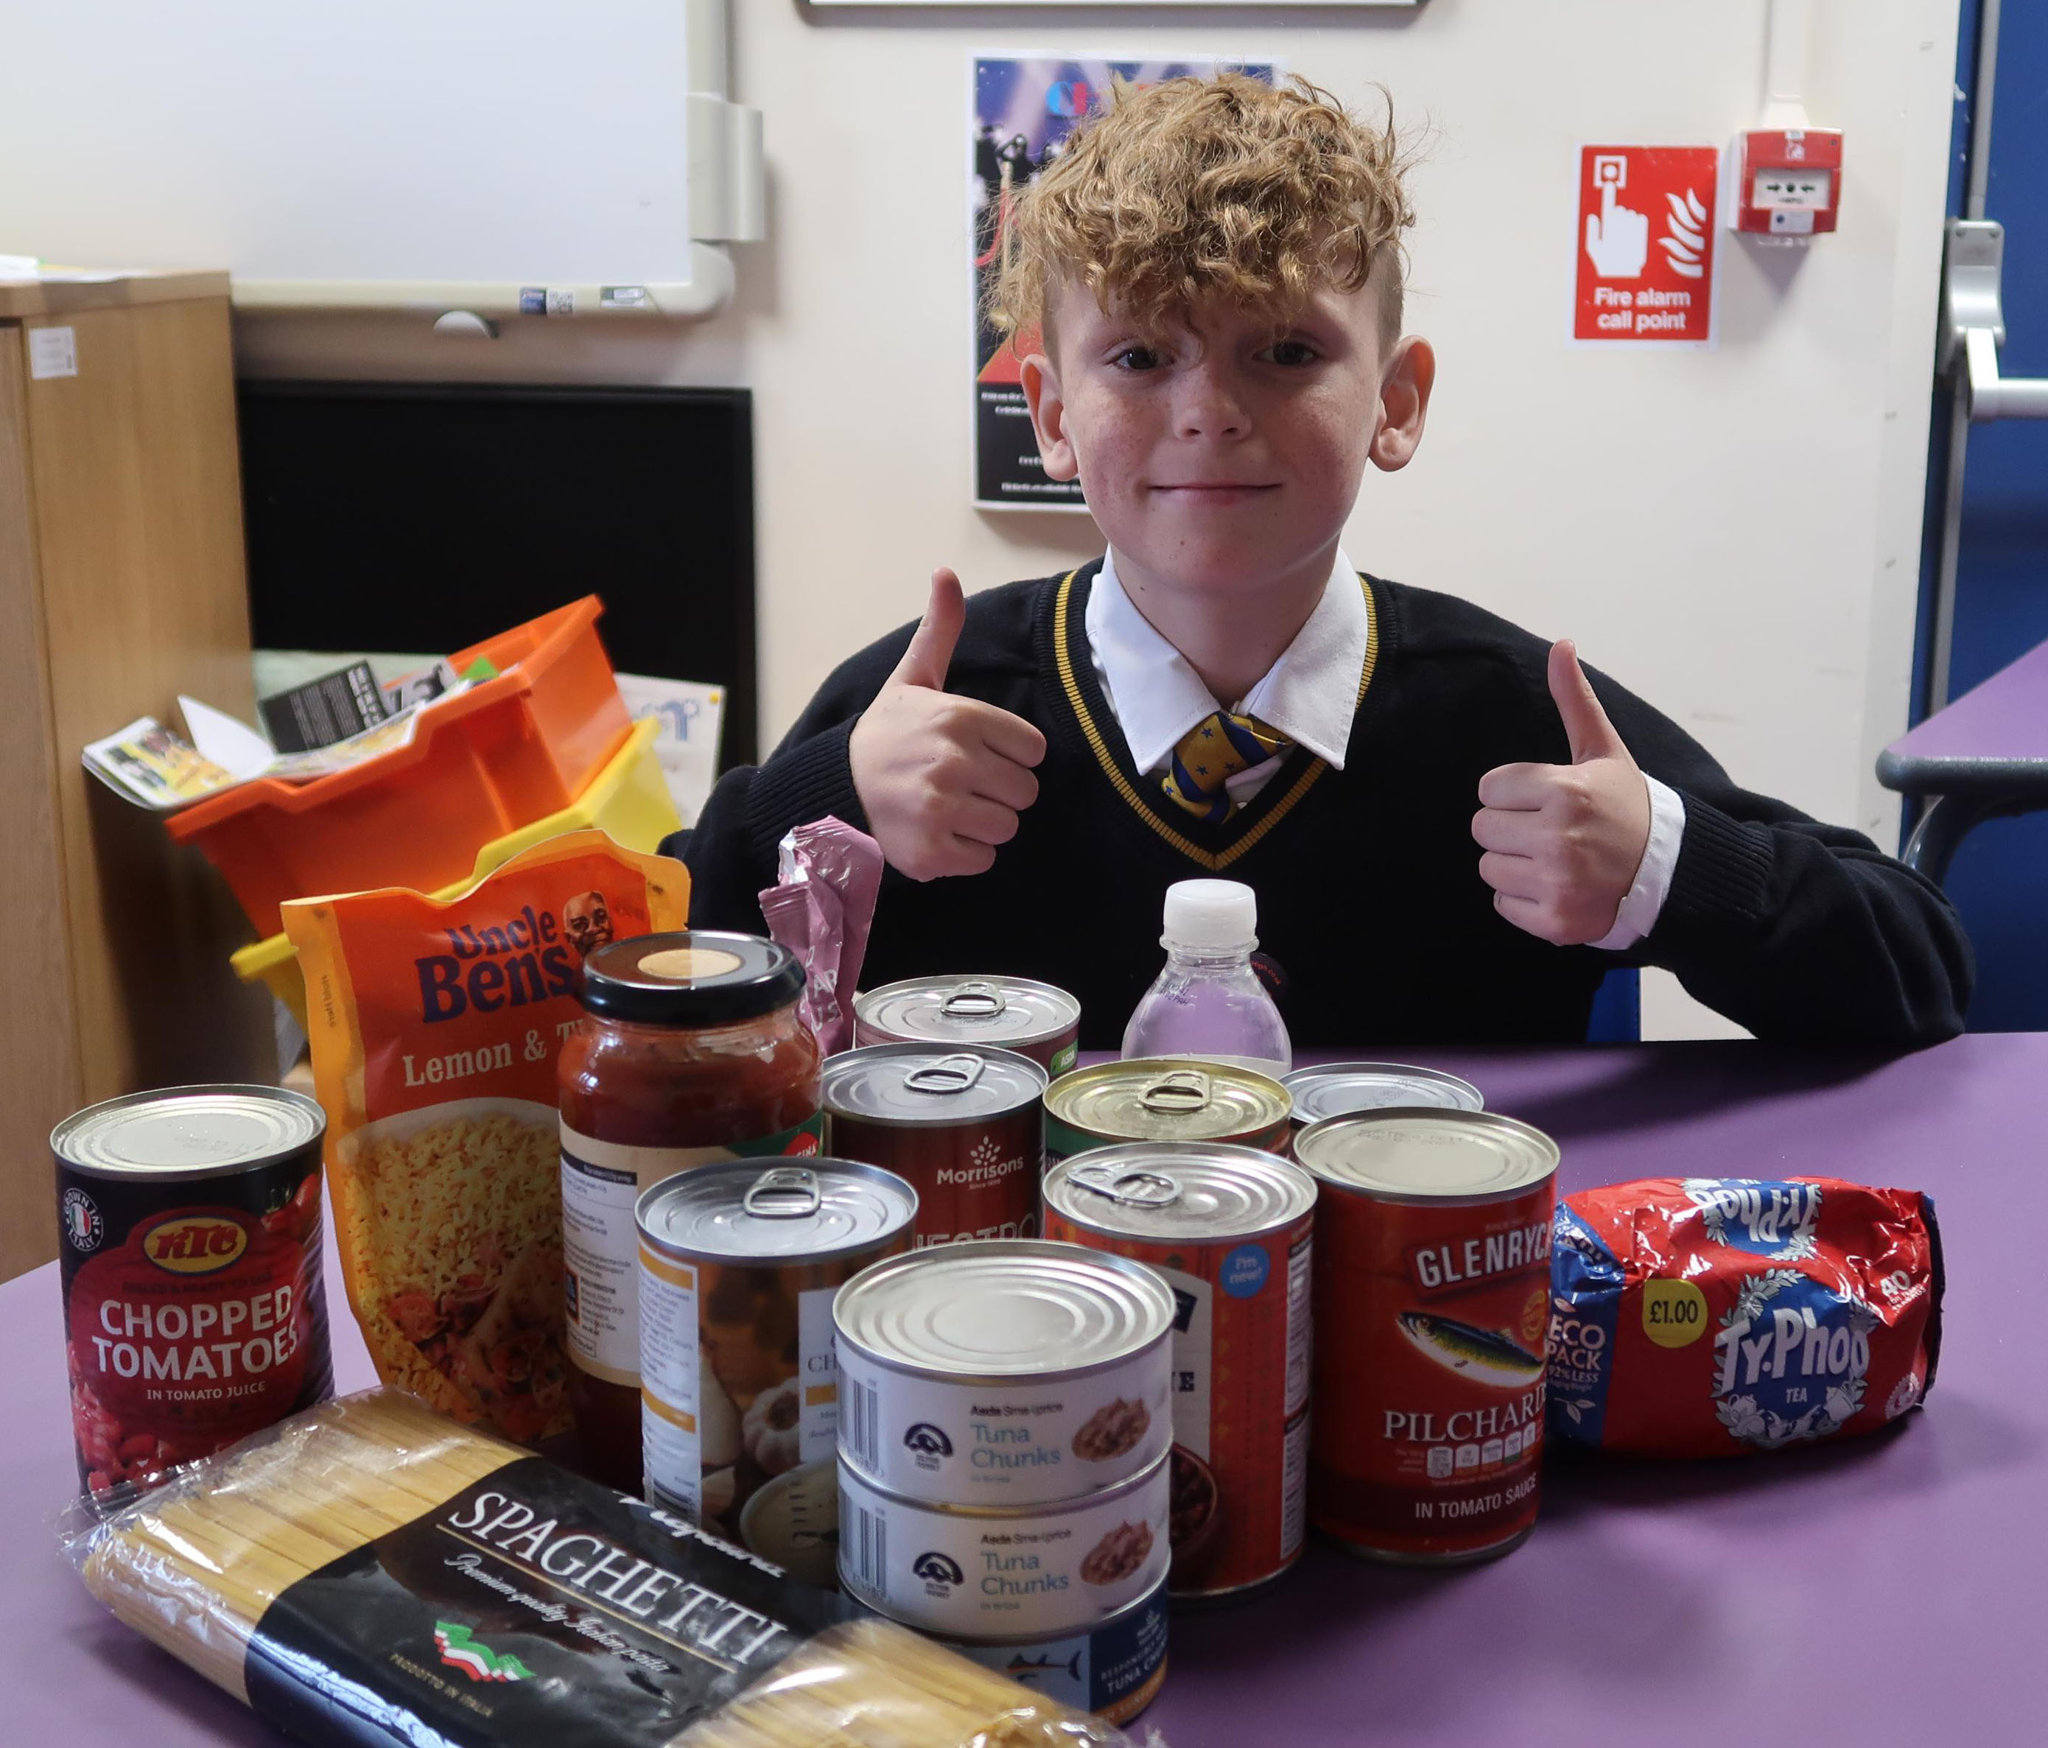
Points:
(1214, 268)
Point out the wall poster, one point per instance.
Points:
(1023, 112)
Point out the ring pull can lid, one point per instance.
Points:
(949, 1074)
(786, 1192)
(1133, 1189)
(976, 999)
(1185, 1089)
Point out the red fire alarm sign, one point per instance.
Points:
(1646, 243)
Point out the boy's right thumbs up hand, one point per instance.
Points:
(942, 778)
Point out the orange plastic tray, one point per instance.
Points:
(509, 751)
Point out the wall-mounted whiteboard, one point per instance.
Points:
(372, 151)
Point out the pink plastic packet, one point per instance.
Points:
(821, 908)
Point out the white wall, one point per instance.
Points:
(1734, 533)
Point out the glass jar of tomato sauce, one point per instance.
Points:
(691, 1050)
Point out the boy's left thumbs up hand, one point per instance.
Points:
(1563, 842)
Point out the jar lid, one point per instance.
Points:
(188, 1131)
(1334, 1089)
(736, 1211)
(694, 977)
(1424, 1155)
(1179, 1192)
(1010, 1011)
(917, 1085)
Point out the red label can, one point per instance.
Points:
(1230, 1230)
(1432, 1279)
(965, 1128)
(193, 1304)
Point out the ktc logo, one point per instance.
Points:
(194, 1244)
(938, 1569)
(927, 1444)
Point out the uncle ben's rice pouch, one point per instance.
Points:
(435, 1027)
(1704, 1317)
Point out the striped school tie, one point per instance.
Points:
(1216, 748)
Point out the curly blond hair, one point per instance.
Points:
(1199, 189)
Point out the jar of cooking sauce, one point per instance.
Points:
(691, 1051)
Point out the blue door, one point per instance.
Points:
(1988, 487)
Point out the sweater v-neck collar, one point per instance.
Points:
(1212, 846)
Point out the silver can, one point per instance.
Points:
(739, 1402)
(1336, 1089)
(1004, 1372)
(1016, 1571)
(1037, 1020)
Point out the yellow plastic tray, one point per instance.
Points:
(628, 799)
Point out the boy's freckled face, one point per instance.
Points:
(1217, 456)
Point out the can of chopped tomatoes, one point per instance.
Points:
(1229, 1230)
(193, 1310)
(1431, 1300)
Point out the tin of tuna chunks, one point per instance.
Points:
(1432, 1299)
(1229, 1230)
(193, 1308)
(966, 1128)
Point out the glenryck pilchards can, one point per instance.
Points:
(1003, 1013)
(1164, 1098)
(1432, 1307)
(966, 1128)
(1335, 1089)
(1004, 1571)
(1229, 1230)
(739, 1394)
(1004, 1372)
(193, 1304)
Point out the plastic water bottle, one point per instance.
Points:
(1209, 1002)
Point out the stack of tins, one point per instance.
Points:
(1431, 1302)
(739, 1386)
(1003, 1471)
(1229, 1229)
(692, 1052)
(965, 1127)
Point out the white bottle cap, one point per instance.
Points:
(1211, 916)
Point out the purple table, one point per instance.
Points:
(1891, 1591)
(1984, 756)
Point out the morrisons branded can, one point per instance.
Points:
(193, 1309)
(1229, 1230)
(1432, 1303)
(739, 1393)
(966, 1128)
(1004, 1373)
(1164, 1098)
(1002, 1013)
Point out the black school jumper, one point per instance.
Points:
(1370, 899)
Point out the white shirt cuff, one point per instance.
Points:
(1652, 885)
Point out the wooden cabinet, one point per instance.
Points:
(121, 585)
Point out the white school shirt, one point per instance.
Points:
(1310, 695)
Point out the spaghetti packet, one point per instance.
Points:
(370, 1573)
(1707, 1317)
(435, 1027)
